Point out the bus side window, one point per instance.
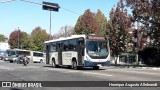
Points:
(72, 44)
(65, 46)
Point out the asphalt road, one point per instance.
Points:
(43, 72)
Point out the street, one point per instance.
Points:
(43, 72)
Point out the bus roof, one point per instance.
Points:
(36, 51)
(18, 50)
(66, 38)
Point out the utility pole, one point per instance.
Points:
(18, 37)
(50, 25)
(65, 31)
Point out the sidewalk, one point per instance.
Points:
(152, 68)
(116, 67)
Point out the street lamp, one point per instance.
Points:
(18, 37)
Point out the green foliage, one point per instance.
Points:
(38, 37)
(34, 42)
(25, 41)
(13, 39)
(147, 12)
(119, 25)
(102, 22)
(3, 38)
(86, 24)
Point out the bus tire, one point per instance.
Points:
(95, 67)
(74, 65)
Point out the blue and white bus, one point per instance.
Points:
(78, 51)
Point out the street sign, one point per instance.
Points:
(50, 6)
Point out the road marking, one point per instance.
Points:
(96, 74)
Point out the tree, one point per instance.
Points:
(86, 24)
(15, 39)
(120, 22)
(147, 12)
(25, 41)
(64, 31)
(142, 37)
(3, 38)
(38, 37)
(102, 22)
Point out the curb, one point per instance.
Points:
(155, 68)
(115, 67)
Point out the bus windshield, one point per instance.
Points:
(11, 53)
(2, 52)
(97, 48)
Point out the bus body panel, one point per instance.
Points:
(96, 62)
(68, 56)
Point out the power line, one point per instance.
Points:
(29, 1)
(71, 11)
(6, 1)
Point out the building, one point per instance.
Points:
(4, 46)
(125, 58)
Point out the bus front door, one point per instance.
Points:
(59, 53)
(80, 51)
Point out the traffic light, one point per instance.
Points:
(50, 6)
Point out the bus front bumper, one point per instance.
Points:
(90, 63)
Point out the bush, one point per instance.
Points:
(150, 56)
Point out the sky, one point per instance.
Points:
(28, 16)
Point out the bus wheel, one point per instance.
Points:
(96, 67)
(74, 65)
